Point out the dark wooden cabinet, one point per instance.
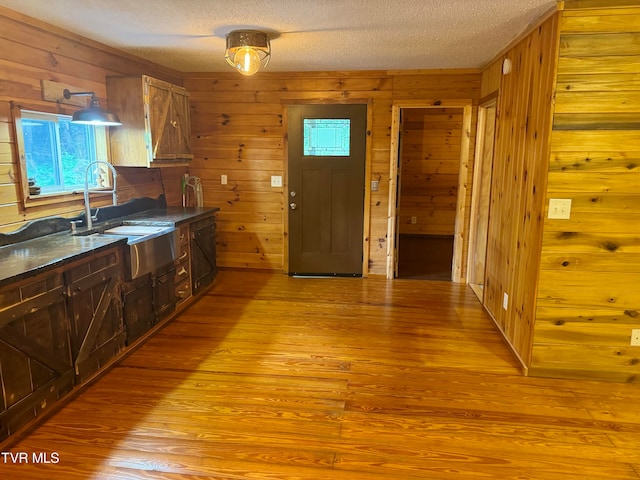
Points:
(36, 366)
(95, 311)
(203, 253)
(138, 309)
(62, 325)
(57, 329)
(164, 299)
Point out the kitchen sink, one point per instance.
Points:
(150, 247)
(139, 233)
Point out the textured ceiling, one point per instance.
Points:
(309, 35)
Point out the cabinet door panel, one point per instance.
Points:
(16, 375)
(203, 254)
(138, 311)
(181, 125)
(97, 328)
(160, 120)
(35, 357)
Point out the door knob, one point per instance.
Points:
(293, 194)
(293, 206)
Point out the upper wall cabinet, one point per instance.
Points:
(155, 122)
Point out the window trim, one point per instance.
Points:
(28, 200)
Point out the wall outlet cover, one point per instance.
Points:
(276, 180)
(559, 208)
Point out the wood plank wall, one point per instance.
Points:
(430, 163)
(519, 183)
(589, 286)
(31, 51)
(239, 128)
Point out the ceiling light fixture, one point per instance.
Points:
(247, 50)
(93, 114)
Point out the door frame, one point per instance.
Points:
(366, 227)
(480, 160)
(458, 240)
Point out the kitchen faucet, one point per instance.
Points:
(87, 206)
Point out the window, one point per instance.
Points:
(326, 137)
(55, 153)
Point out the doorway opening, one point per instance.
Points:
(428, 194)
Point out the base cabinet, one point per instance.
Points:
(147, 300)
(139, 313)
(35, 353)
(95, 307)
(164, 299)
(60, 327)
(56, 329)
(203, 253)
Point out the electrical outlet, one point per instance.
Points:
(414, 220)
(374, 185)
(223, 179)
(276, 180)
(560, 208)
(635, 337)
(505, 301)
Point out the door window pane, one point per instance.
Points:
(326, 137)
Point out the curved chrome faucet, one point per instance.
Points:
(113, 191)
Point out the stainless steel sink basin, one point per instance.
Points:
(138, 233)
(150, 247)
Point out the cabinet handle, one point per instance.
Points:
(184, 255)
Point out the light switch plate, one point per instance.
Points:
(560, 208)
(223, 179)
(276, 180)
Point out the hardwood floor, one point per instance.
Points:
(275, 378)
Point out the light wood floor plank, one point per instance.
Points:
(269, 377)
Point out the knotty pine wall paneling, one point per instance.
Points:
(31, 51)
(430, 163)
(520, 168)
(589, 287)
(238, 131)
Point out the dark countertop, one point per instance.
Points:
(23, 259)
(31, 257)
(172, 215)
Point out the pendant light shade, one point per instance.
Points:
(248, 50)
(94, 114)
